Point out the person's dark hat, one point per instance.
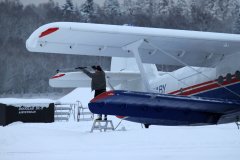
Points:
(94, 67)
(97, 68)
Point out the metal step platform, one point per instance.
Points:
(62, 112)
(102, 125)
(61, 118)
(83, 113)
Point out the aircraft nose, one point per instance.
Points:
(103, 96)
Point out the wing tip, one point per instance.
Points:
(48, 31)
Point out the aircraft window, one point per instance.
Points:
(229, 77)
(237, 74)
(220, 79)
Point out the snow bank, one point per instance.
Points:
(61, 141)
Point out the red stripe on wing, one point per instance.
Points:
(48, 31)
(57, 76)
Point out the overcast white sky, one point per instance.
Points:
(59, 1)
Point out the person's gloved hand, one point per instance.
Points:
(80, 67)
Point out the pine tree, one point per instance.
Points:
(178, 15)
(144, 12)
(111, 10)
(68, 10)
(127, 11)
(183, 7)
(148, 9)
(51, 11)
(202, 19)
(222, 10)
(145, 6)
(68, 6)
(232, 9)
(127, 7)
(236, 26)
(162, 8)
(111, 7)
(87, 10)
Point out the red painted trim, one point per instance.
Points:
(201, 84)
(57, 76)
(48, 31)
(102, 96)
(121, 117)
(201, 89)
(208, 87)
(192, 87)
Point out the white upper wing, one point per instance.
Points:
(194, 48)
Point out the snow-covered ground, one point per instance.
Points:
(73, 140)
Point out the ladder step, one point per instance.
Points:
(98, 126)
(85, 119)
(62, 108)
(86, 113)
(62, 113)
(60, 118)
(84, 108)
(109, 121)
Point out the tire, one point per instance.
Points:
(146, 125)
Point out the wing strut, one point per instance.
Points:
(134, 48)
(238, 125)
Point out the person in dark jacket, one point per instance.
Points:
(98, 83)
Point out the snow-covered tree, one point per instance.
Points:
(162, 7)
(111, 10)
(51, 11)
(200, 19)
(222, 9)
(183, 7)
(68, 10)
(236, 25)
(144, 6)
(87, 10)
(178, 15)
(68, 6)
(127, 11)
(91, 12)
(232, 9)
(111, 7)
(127, 7)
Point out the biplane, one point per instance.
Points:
(204, 90)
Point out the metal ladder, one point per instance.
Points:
(83, 113)
(102, 125)
(62, 112)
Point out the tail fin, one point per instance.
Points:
(151, 71)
